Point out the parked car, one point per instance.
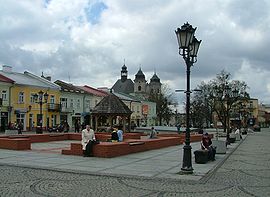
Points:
(257, 128)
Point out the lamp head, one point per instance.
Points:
(185, 35)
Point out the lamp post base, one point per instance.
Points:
(187, 165)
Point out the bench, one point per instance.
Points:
(11, 132)
(201, 156)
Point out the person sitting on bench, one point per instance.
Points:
(153, 133)
(88, 140)
(114, 134)
(206, 144)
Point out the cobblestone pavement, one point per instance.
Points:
(245, 173)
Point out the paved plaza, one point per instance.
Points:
(243, 171)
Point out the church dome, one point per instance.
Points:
(155, 78)
(140, 75)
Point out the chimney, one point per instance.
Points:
(7, 69)
(49, 78)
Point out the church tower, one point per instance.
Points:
(124, 73)
(154, 85)
(140, 82)
(124, 84)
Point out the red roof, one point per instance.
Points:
(94, 91)
(5, 79)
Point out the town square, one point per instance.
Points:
(134, 98)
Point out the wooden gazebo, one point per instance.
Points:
(110, 107)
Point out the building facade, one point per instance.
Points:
(25, 106)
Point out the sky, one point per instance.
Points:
(88, 41)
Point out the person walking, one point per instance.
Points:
(20, 127)
(77, 126)
(88, 140)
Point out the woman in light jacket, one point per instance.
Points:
(88, 137)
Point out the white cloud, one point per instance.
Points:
(60, 38)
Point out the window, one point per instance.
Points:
(32, 98)
(21, 97)
(139, 88)
(4, 95)
(71, 103)
(87, 104)
(52, 99)
(78, 104)
(51, 103)
(63, 102)
(20, 118)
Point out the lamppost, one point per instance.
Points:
(188, 49)
(40, 98)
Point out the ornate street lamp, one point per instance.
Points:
(188, 49)
(41, 98)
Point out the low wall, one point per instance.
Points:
(23, 142)
(15, 143)
(194, 137)
(111, 149)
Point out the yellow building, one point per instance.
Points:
(27, 100)
(5, 87)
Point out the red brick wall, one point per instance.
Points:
(110, 149)
(15, 144)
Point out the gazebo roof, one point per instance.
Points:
(111, 104)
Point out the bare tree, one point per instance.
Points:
(221, 95)
(164, 100)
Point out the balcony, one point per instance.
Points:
(53, 107)
(66, 109)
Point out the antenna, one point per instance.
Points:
(68, 77)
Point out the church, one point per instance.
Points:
(139, 86)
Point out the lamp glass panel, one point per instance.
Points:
(195, 47)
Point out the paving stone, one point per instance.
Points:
(246, 172)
